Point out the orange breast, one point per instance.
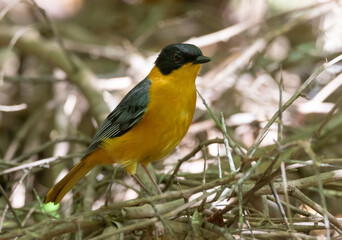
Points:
(166, 121)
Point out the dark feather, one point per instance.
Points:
(129, 112)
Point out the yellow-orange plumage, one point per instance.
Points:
(149, 122)
(167, 119)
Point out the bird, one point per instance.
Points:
(148, 123)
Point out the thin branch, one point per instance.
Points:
(4, 194)
(329, 116)
(50, 24)
(323, 211)
(307, 148)
(187, 157)
(280, 207)
(47, 51)
(38, 163)
(235, 146)
(297, 94)
(226, 144)
(49, 144)
(13, 108)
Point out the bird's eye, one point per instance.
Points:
(177, 57)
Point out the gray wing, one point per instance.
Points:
(129, 112)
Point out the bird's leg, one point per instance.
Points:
(141, 184)
(136, 178)
(152, 179)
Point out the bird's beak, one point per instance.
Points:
(201, 60)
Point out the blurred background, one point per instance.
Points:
(262, 51)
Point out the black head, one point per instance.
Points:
(176, 55)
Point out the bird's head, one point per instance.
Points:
(174, 56)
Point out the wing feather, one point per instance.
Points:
(127, 114)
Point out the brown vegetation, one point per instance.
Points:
(261, 160)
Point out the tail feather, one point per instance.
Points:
(56, 193)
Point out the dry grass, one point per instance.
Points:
(262, 159)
